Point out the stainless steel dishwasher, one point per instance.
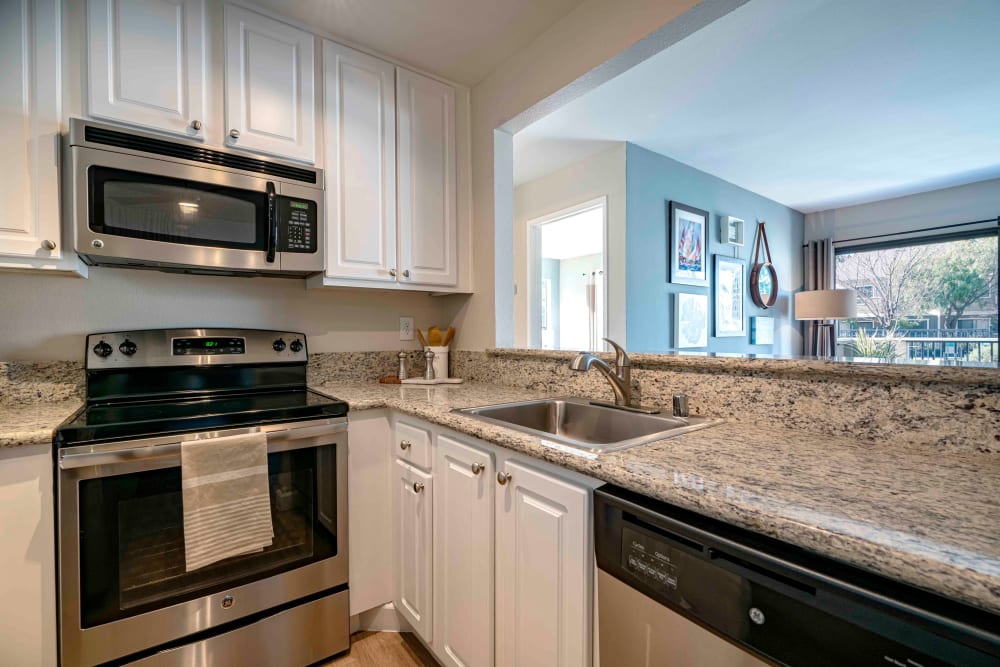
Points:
(676, 589)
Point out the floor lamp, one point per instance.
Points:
(822, 305)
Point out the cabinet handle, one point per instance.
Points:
(196, 125)
(405, 444)
(406, 273)
(477, 468)
(48, 245)
(234, 134)
(417, 487)
(503, 477)
(392, 272)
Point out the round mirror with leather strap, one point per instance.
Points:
(763, 277)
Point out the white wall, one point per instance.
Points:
(599, 175)
(46, 317)
(596, 41)
(964, 203)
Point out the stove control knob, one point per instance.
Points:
(102, 349)
(128, 348)
(296, 345)
(278, 345)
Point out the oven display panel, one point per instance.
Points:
(209, 346)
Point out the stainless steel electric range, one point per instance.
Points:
(124, 593)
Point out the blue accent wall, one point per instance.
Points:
(651, 182)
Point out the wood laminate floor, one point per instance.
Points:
(384, 649)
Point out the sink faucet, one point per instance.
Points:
(620, 378)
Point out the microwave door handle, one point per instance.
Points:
(272, 223)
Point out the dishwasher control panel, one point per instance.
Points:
(648, 558)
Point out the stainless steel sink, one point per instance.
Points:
(587, 425)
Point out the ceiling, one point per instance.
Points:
(461, 40)
(813, 103)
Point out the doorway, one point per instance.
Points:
(567, 278)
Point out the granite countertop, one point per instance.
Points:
(32, 423)
(929, 519)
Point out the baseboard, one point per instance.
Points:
(380, 619)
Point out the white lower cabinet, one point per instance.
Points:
(463, 558)
(413, 494)
(504, 563)
(543, 570)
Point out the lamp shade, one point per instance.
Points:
(826, 304)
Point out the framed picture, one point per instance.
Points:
(688, 245)
(762, 331)
(690, 320)
(730, 290)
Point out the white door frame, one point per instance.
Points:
(533, 268)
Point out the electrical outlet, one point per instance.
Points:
(405, 328)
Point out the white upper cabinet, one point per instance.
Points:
(29, 133)
(463, 553)
(360, 164)
(543, 570)
(428, 239)
(147, 63)
(269, 91)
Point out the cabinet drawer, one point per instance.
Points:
(413, 444)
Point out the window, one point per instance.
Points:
(933, 298)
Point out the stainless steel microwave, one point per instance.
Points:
(146, 201)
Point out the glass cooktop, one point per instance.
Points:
(153, 418)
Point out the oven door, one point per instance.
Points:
(123, 586)
(140, 211)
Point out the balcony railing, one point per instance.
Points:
(947, 334)
(949, 344)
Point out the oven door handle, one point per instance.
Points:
(272, 223)
(283, 440)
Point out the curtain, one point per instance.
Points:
(818, 263)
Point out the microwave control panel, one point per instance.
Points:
(297, 225)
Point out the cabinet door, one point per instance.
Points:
(413, 502)
(463, 558)
(29, 129)
(369, 497)
(544, 570)
(270, 106)
(360, 165)
(428, 233)
(147, 63)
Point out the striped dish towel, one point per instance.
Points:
(227, 506)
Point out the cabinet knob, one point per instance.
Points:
(196, 125)
(503, 477)
(417, 487)
(406, 273)
(392, 272)
(234, 134)
(405, 444)
(48, 245)
(477, 468)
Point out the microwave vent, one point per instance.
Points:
(100, 135)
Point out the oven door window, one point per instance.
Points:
(173, 210)
(132, 536)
